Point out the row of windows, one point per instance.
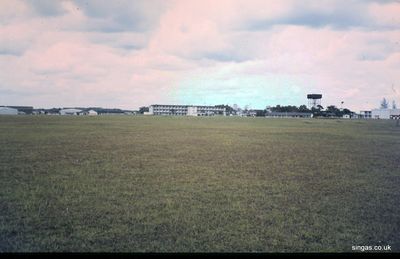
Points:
(170, 111)
(178, 110)
(186, 107)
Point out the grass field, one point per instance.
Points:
(186, 184)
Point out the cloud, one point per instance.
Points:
(47, 7)
(132, 53)
(123, 15)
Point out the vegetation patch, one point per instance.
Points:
(188, 184)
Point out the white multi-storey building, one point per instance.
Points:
(365, 114)
(185, 110)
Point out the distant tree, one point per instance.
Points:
(384, 104)
(333, 109)
(143, 109)
(317, 111)
(303, 108)
(346, 111)
(288, 108)
(260, 113)
(276, 108)
(394, 106)
(228, 109)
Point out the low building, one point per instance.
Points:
(288, 115)
(354, 115)
(385, 113)
(8, 111)
(70, 112)
(23, 109)
(185, 110)
(351, 115)
(92, 113)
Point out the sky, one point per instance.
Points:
(127, 54)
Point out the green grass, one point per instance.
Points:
(186, 184)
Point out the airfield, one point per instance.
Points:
(191, 184)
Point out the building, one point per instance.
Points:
(185, 110)
(21, 109)
(354, 115)
(92, 113)
(70, 112)
(351, 115)
(8, 111)
(385, 113)
(52, 111)
(365, 114)
(288, 115)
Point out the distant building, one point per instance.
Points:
(185, 110)
(385, 113)
(21, 109)
(92, 113)
(365, 114)
(38, 111)
(70, 112)
(52, 111)
(288, 115)
(8, 111)
(352, 115)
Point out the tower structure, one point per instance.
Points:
(314, 100)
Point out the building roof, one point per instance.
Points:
(288, 114)
(70, 110)
(7, 108)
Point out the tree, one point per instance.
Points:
(316, 111)
(260, 113)
(346, 111)
(143, 109)
(394, 106)
(303, 108)
(228, 109)
(384, 104)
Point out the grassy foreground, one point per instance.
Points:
(163, 184)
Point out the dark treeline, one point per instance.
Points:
(319, 111)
